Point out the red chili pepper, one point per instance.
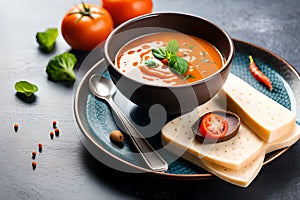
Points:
(258, 75)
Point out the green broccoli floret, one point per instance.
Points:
(61, 67)
(47, 39)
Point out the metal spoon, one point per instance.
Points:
(104, 88)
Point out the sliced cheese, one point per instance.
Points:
(285, 141)
(246, 174)
(240, 177)
(267, 118)
(233, 154)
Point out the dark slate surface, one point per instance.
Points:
(65, 169)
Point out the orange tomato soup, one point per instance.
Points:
(203, 59)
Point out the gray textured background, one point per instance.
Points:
(65, 169)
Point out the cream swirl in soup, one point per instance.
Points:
(137, 61)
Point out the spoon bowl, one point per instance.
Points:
(101, 87)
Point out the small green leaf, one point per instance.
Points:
(171, 59)
(188, 76)
(162, 51)
(205, 60)
(26, 88)
(156, 51)
(181, 65)
(150, 63)
(158, 54)
(172, 46)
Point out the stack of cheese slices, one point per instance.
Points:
(266, 126)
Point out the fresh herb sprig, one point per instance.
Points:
(180, 65)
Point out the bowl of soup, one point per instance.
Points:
(175, 60)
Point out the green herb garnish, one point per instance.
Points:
(26, 88)
(188, 76)
(47, 39)
(180, 65)
(205, 60)
(150, 63)
(60, 67)
(203, 53)
(172, 47)
(159, 53)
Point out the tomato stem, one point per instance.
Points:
(86, 11)
(86, 8)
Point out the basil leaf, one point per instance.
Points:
(162, 51)
(181, 65)
(158, 54)
(188, 76)
(150, 63)
(156, 51)
(172, 46)
(26, 88)
(171, 59)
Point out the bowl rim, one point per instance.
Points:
(155, 14)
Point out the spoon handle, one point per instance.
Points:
(151, 157)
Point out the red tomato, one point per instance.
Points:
(86, 25)
(213, 126)
(123, 10)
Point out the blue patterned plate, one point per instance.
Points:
(95, 119)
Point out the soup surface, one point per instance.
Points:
(137, 61)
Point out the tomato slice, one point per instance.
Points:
(213, 126)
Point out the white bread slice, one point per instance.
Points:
(233, 154)
(267, 118)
